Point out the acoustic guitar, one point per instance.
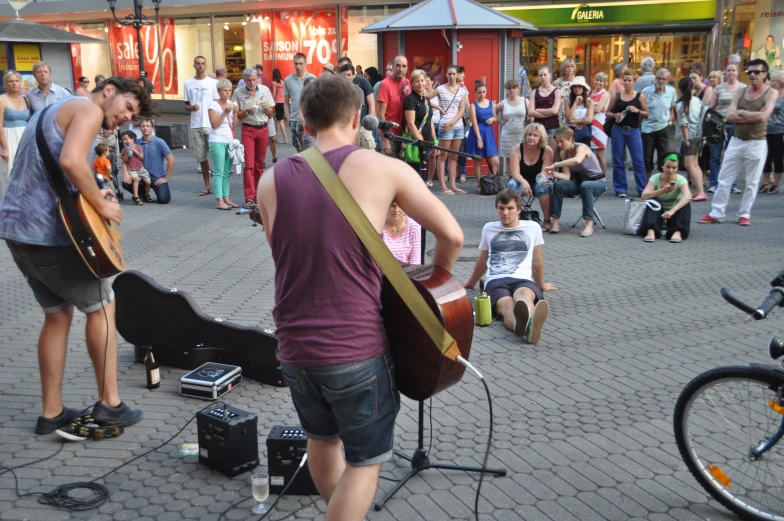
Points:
(104, 257)
(421, 369)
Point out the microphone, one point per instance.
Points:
(370, 122)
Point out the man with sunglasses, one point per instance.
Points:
(747, 150)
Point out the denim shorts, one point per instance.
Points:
(551, 132)
(356, 402)
(456, 132)
(59, 278)
(539, 189)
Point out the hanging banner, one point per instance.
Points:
(76, 49)
(125, 53)
(313, 32)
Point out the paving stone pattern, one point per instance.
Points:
(583, 421)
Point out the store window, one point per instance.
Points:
(94, 58)
(192, 39)
(591, 55)
(363, 47)
(232, 47)
(674, 52)
(533, 54)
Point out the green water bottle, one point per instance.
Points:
(482, 312)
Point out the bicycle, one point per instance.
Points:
(728, 422)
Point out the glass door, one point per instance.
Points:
(591, 55)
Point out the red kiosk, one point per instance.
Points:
(436, 33)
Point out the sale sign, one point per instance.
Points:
(125, 53)
(312, 32)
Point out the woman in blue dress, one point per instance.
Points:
(481, 138)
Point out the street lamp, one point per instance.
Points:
(137, 19)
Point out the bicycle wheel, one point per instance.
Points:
(720, 418)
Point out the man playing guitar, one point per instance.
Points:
(45, 255)
(331, 339)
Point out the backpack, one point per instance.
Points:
(711, 126)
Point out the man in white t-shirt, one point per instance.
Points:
(511, 254)
(199, 93)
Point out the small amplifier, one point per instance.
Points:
(228, 439)
(286, 446)
(210, 381)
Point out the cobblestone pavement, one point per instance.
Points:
(583, 421)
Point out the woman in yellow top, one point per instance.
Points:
(671, 190)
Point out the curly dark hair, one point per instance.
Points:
(147, 107)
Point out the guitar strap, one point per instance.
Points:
(380, 253)
(56, 177)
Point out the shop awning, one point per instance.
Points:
(20, 30)
(447, 14)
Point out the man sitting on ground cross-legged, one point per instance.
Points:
(511, 254)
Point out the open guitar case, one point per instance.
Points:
(187, 337)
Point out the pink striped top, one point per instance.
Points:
(406, 247)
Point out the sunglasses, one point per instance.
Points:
(754, 72)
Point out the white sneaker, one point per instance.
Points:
(199, 168)
(712, 190)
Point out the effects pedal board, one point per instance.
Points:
(286, 446)
(228, 439)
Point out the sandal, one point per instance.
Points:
(764, 189)
(446, 192)
(459, 191)
(274, 160)
(649, 239)
(147, 199)
(774, 189)
(223, 207)
(233, 205)
(138, 201)
(204, 192)
(248, 204)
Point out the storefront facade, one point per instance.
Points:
(234, 40)
(746, 29)
(599, 36)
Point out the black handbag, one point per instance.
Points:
(490, 185)
(609, 122)
(529, 214)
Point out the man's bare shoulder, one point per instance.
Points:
(371, 162)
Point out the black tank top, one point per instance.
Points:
(529, 172)
(632, 119)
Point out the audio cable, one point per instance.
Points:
(479, 375)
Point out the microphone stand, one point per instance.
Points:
(427, 145)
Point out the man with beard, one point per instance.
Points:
(43, 251)
(511, 254)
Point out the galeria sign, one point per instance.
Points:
(125, 53)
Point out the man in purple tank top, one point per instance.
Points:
(331, 340)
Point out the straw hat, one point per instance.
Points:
(580, 80)
(328, 67)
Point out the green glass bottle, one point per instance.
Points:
(482, 313)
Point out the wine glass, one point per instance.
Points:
(260, 486)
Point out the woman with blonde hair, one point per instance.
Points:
(567, 71)
(14, 115)
(526, 162)
(714, 78)
(600, 98)
(222, 112)
(511, 113)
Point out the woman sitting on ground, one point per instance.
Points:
(403, 236)
(581, 174)
(526, 162)
(671, 190)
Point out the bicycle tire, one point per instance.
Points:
(747, 419)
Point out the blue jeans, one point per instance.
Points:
(539, 189)
(356, 402)
(587, 190)
(715, 157)
(620, 140)
(162, 192)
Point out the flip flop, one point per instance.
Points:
(223, 208)
(205, 192)
(234, 205)
(459, 191)
(446, 192)
(649, 239)
(676, 240)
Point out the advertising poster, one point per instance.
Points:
(313, 32)
(125, 59)
(433, 65)
(769, 21)
(26, 55)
